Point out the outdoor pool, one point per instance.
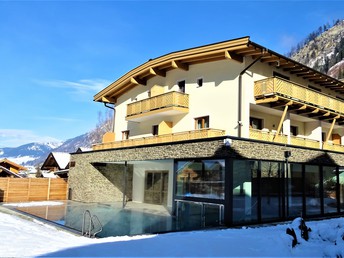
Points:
(134, 219)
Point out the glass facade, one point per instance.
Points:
(294, 190)
(245, 191)
(271, 190)
(312, 190)
(255, 191)
(201, 179)
(329, 189)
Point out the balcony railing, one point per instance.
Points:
(333, 147)
(277, 86)
(268, 136)
(164, 138)
(166, 100)
(294, 140)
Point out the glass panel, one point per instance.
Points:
(312, 191)
(271, 190)
(203, 179)
(189, 215)
(245, 191)
(329, 187)
(294, 190)
(341, 188)
(212, 215)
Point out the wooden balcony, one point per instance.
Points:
(171, 103)
(268, 136)
(294, 140)
(164, 138)
(302, 100)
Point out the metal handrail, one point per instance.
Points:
(91, 225)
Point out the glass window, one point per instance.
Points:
(245, 191)
(200, 82)
(294, 190)
(271, 190)
(202, 178)
(341, 188)
(329, 189)
(181, 85)
(312, 190)
(202, 122)
(256, 123)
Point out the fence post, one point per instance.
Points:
(7, 189)
(29, 190)
(48, 192)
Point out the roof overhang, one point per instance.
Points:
(235, 49)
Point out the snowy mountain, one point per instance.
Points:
(34, 154)
(323, 50)
(28, 154)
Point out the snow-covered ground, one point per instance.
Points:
(21, 237)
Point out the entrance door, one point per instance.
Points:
(156, 187)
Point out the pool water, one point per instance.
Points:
(134, 219)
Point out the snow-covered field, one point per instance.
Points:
(24, 237)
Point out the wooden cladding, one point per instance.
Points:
(173, 137)
(166, 100)
(32, 189)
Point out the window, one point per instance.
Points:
(256, 123)
(155, 130)
(200, 82)
(181, 86)
(125, 135)
(202, 122)
(294, 130)
(156, 187)
(201, 179)
(276, 74)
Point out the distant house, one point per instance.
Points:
(57, 163)
(83, 149)
(10, 169)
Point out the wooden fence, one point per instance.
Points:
(32, 189)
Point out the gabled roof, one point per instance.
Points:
(235, 49)
(59, 160)
(12, 164)
(9, 172)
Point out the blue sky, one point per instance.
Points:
(56, 55)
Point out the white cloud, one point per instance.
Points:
(82, 88)
(16, 137)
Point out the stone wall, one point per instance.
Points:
(94, 178)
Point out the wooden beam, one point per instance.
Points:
(331, 129)
(276, 105)
(281, 121)
(233, 56)
(266, 100)
(179, 65)
(155, 71)
(106, 99)
(137, 81)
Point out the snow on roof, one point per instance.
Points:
(62, 159)
(9, 172)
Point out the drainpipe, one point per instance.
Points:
(240, 91)
(114, 113)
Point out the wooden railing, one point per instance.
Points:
(268, 136)
(274, 85)
(304, 142)
(294, 140)
(170, 99)
(333, 147)
(174, 137)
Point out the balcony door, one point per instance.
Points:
(156, 187)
